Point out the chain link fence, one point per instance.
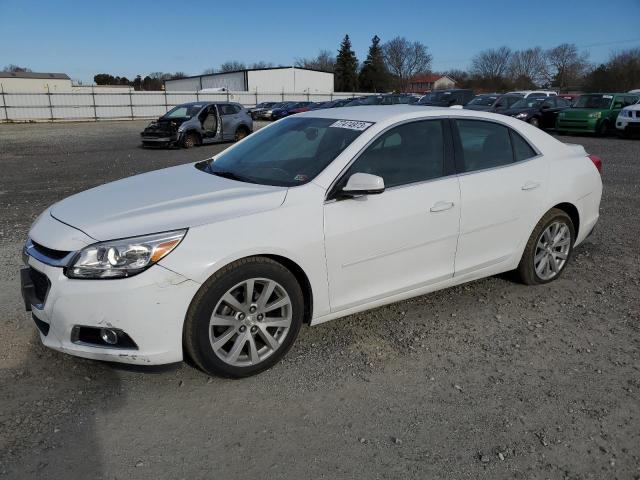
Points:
(57, 106)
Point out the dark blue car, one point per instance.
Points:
(288, 109)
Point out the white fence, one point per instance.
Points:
(24, 107)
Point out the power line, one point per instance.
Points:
(602, 44)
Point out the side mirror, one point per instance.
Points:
(363, 184)
(545, 107)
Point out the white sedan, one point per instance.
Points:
(315, 217)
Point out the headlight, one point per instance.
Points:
(125, 257)
(522, 115)
(595, 114)
(181, 128)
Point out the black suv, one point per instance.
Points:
(447, 98)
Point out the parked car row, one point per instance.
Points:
(598, 113)
(197, 123)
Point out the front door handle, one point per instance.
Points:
(441, 206)
(530, 185)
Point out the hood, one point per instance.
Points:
(580, 112)
(165, 124)
(162, 200)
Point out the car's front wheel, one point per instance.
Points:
(244, 318)
(241, 132)
(534, 121)
(602, 129)
(191, 139)
(549, 248)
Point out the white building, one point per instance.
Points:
(272, 80)
(33, 82)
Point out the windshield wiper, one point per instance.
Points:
(228, 174)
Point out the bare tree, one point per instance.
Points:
(492, 63)
(620, 74)
(528, 68)
(209, 71)
(232, 66)
(405, 59)
(261, 64)
(567, 66)
(16, 68)
(324, 61)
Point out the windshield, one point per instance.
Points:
(289, 153)
(593, 101)
(183, 111)
(486, 101)
(528, 102)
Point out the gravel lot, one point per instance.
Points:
(487, 380)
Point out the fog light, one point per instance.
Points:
(108, 336)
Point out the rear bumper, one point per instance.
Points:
(150, 308)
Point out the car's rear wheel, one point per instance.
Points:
(534, 121)
(191, 139)
(241, 132)
(244, 318)
(549, 248)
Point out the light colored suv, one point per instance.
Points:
(628, 121)
(198, 123)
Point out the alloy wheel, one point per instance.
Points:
(552, 250)
(250, 322)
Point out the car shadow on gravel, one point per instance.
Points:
(49, 416)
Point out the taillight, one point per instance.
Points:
(597, 161)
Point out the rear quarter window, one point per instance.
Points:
(521, 148)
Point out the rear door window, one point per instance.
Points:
(521, 148)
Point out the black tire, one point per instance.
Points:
(191, 139)
(526, 269)
(534, 121)
(241, 132)
(602, 129)
(196, 330)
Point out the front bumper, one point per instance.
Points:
(150, 308)
(589, 125)
(164, 140)
(628, 125)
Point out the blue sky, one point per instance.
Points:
(130, 37)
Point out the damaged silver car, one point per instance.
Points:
(198, 123)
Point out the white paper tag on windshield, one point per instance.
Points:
(351, 124)
(607, 96)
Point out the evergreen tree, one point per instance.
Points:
(374, 76)
(346, 71)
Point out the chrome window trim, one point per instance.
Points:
(457, 174)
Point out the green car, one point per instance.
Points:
(594, 112)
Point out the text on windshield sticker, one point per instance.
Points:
(351, 125)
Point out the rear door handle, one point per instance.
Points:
(530, 185)
(441, 206)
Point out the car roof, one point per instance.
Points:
(393, 113)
